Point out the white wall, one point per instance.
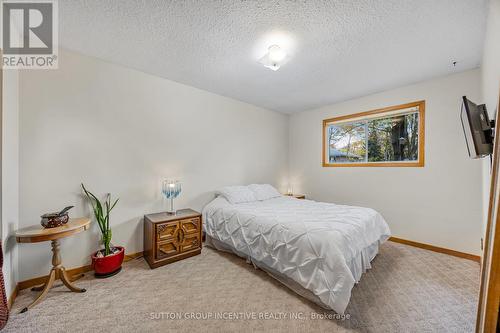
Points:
(490, 84)
(439, 204)
(490, 71)
(10, 177)
(121, 131)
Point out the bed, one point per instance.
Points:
(319, 250)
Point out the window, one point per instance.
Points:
(392, 137)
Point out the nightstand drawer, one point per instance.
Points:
(166, 231)
(167, 249)
(191, 226)
(190, 242)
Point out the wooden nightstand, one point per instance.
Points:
(297, 196)
(168, 238)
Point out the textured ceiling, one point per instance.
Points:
(339, 49)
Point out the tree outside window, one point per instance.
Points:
(388, 137)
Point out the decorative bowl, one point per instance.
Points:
(53, 220)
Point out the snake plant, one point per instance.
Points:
(101, 213)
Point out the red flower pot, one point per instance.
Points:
(108, 265)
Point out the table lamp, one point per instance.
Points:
(171, 190)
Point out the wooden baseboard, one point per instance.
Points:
(12, 297)
(133, 256)
(437, 249)
(73, 271)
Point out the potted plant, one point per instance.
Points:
(108, 261)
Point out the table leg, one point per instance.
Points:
(65, 279)
(46, 288)
(57, 270)
(39, 288)
(71, 279)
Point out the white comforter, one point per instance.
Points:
(322, 246)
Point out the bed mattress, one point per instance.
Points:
(318, 249)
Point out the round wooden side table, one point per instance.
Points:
(35, 234)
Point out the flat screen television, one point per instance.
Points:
(477, 129)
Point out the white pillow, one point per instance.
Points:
(264, 191)
(237, 194)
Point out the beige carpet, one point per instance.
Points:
(408, 290)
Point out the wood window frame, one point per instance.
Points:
(421, 136)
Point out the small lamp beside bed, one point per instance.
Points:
(171, 190)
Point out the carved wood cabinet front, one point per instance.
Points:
(168, 238)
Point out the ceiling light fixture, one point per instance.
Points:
(274, 58)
